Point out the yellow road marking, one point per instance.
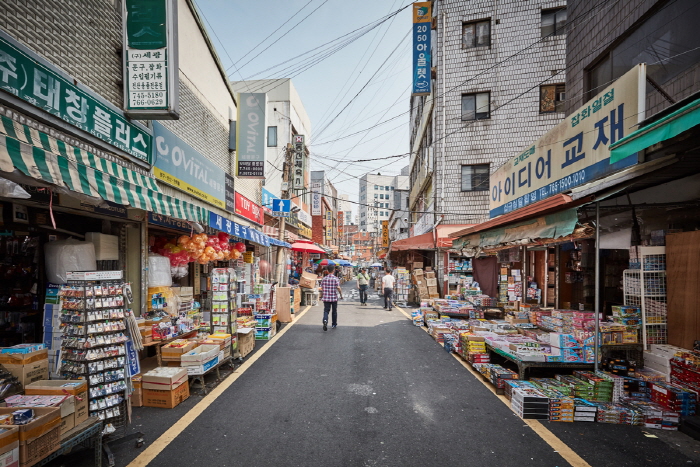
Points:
(166, 438)
(547, 436)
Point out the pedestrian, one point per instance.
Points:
(388, 285)
(330, 291)
(362, 284)
(373, 279)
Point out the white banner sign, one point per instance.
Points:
(316, 199)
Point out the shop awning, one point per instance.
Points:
(274, 241)
(427, 241)
(38, 155)
(665, 128)
(217, 221)
(555, 225)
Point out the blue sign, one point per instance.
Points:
(267, 198)
(281, 207)
(170, 222)
(421, 49)
(178, 164)
(247, 233)
(132, 357)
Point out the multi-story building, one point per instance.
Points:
(377, 198)
(324, 210)
(498, 84)
(287, 120)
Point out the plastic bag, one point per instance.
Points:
(9, 189)
(159, 271)
(63, 256)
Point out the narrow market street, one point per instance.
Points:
(375, 391)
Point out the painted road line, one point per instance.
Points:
(152, 451)
(547, 436)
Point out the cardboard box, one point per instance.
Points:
(417, 265)
(152, 380)
(38, 438)
(166, 399)
(137, 398)
(431, 282)
(308, 280)
(246, 341)
(196, 357)
(10, 455)
(206, 366)
(61, 387)
(67, 423)
(173, 353)
(27, 368)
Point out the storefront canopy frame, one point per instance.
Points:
(663, 129)
(427, 241)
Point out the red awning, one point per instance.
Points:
(427, 241)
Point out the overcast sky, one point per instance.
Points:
(239, 31)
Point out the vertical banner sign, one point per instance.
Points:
(250, 135)
(316, 199)
(421, 48)
(385, 234)
(297, 179)
(150, 59)
(29, 77)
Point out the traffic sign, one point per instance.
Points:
(281, 207)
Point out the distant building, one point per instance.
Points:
(377, 198)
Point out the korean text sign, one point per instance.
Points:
(178, 164)
(23, 75)
(421, 48)
(385, 233)
(249, 209)
(218, 222)
(316, 192)
(251, 132)
(575, 151)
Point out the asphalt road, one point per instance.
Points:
(376, 391)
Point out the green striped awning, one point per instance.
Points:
(39, 156)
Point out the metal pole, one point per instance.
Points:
(282, 224)
(597, 285)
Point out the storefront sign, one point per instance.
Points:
(178, 164)
(385, 234)
(169, 222)
(237, 230)
(575, 151)
(150, 58)
(305, 232)
(316, 199)
(421, 48)
(111, 209)
(248, 209)
(248, 257)
(94, 275)
(304, 217)
(27, 76)
(251, 132)
(424, 224)
(230, 194)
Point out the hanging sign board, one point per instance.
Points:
(421, 48)
(385, 234)
(250, 135)
(151, 84)
(576, 150)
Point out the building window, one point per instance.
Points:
(376, 187)
(476, 34)
(386, 188)
(392, 188)
(476, 106)
(271, 136)
(376, 196)
(475, 177)
(552, 98)
(553, 22)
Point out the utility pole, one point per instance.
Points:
(286, 170)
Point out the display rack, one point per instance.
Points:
(94, 341)
(644, 286)
(223, 304)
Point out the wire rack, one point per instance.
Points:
(646, 289)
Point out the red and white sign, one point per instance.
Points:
(249, 210)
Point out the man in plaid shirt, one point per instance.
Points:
(330, 290)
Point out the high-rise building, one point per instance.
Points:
(377, 198)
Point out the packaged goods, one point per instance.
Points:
(22, 416)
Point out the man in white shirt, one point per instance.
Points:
(388, 286)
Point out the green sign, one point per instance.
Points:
(22, 75)
(146, 24)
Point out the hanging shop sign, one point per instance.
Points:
(237, 230)
(304, 217)
(151, 84)
(248, 209)
(305, 232)
(421, 48)
(179, 165)
(31, 78)
(297, 178)
(267, 198)
(574, 152)
(385, 234)
(230, 193)
(316, 193)
(250, 135)
(424, 224)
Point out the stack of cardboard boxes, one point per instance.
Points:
(27, 362)
(425, 282)
(165, 387)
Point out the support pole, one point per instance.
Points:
(280, 259)
(597, 286)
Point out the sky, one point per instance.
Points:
(357, 98)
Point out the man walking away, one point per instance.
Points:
(388, 285)
(330, 291)
(362, 284)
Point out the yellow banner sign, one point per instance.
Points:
(385, 234)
